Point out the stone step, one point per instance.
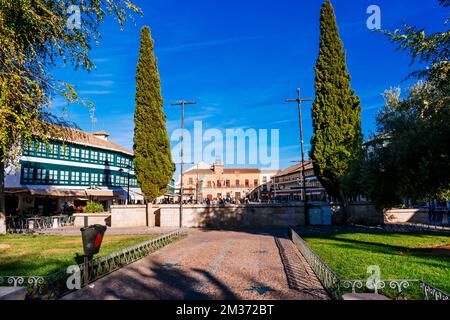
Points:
(13, 293)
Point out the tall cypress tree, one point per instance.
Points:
(152, 157)
(336, 111)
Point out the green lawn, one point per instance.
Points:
(400, 256)
(42, 255)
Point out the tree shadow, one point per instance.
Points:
(153, 280)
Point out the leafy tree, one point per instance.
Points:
(412, 161)
(152, 156)
(34, 37)
(336, 111)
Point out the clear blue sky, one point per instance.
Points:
(240, 60)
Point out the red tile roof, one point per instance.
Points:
(88, 139)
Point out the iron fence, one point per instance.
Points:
(326, 275)
(55, 285)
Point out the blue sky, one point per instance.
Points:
(240, 60)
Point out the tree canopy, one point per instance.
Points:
(336, 111)
(152, 156)
(34, 37)
(410, 157)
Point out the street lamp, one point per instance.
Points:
(182, 104)
(128, 182)
(299, 101)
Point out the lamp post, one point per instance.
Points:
(299, 101)
(182, 104)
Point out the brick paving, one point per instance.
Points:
(209, 264)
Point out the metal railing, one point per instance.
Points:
(393, 288)
(55, 285)
(397, 289)
(324, 273)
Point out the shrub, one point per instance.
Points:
(93, 207)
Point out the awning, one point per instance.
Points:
(101, 193)
(16, 191)
(57, 193)
(136, 196)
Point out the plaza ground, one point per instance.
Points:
(422, 256)
(209, 264)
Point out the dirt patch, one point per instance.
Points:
(4, 246)
(442, 250)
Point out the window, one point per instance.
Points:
(28, 149)
(75, 178)
(28, 175)
(53, 150)
(75, 153)
(255, 182)
(53, 176)
(191, 181)
(247, 183)
(64, 177)
(102, 157)
(84, 155)
(117, 182)
(219, 184)
(238, 183)
(41, 149)
(84, 178)
(264, 179)
(102, 179)
(94, 156)
(208, 184)
(110, 159)
(64, 152)
(227, 183)
(41, 176)
(94, 178)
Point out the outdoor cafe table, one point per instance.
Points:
(57, 221)
(34, 222)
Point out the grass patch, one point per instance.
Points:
(25, 255)
(424, 256)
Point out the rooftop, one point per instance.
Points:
(295, 168)
(89, 139)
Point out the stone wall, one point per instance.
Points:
(364, 214)
(196, 216)
(406, 215)
(88, 219)
(129, 216)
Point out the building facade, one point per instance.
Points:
(66, 174)
(287, 185)
(215, 182)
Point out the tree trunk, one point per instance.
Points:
(2, 195)
(344, 205)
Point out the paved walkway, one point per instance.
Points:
(214, 265)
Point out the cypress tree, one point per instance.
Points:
(152, 157)
(336, 111)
